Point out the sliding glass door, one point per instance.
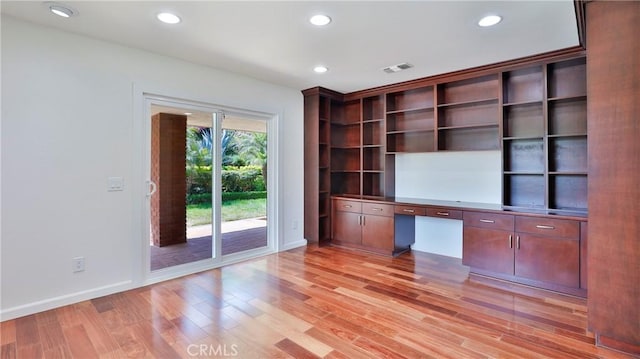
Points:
(208, 180)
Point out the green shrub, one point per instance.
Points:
(200, 198)
(234, 179)
(198, 179)
(241, 179)
(232, 196)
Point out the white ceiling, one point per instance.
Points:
(275, 42)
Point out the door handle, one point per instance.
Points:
(153, 188)
(510, 241)
(518, 242)
(409, 210)
(487, 221)
(363, 220)
(376, 209)
(442, 213)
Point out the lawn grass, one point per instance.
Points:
(198, 214)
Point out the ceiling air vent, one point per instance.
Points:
(395, 68)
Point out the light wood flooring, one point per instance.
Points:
(309, 303)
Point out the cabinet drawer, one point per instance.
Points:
(548, 226)
(347, 206)
(444, 213)
(378, 209)
(411, 210)
(488, 220)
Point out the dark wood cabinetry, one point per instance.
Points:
(364, 225)
(614, 169)
(488, 242)
(537, 251)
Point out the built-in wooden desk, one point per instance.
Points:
(540, 249)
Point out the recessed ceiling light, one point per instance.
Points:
(320, 20)
(168, 18)
(320, 69)
(62, 10)
(489, 20)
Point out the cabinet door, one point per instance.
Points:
(378, 232)
(488, 249)
(346, 227)
(548, 259)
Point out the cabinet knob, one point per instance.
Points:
(442, 213)
(487, 221)
(541, 226)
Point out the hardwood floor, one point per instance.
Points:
(309, 303)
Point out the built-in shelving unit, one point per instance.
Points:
(410, 121)
(545, 137)
(373, 146)
(535, 113)
(467, 116)
(346, 149)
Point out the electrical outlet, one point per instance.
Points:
(78, 264)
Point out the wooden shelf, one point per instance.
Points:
(408, 132)
(486, 101)
(417, 99)
(568, 173)
(469, 138)
(413, 141)
(409, 110)
(583, 134)
(539, 173)
(523, 138)
(523, 86)
(568, 98)
(523, 103)
(482, 125)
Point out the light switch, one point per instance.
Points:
(115, 184)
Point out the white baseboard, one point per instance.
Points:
(292, 245)
(72, 298)
(67, 299)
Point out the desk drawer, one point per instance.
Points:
(548, 226)
(377, 209)
(347, 206)
(489, 220)
(410, 210)
(444, 213)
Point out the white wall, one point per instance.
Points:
(68, 123)
(473, 176)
